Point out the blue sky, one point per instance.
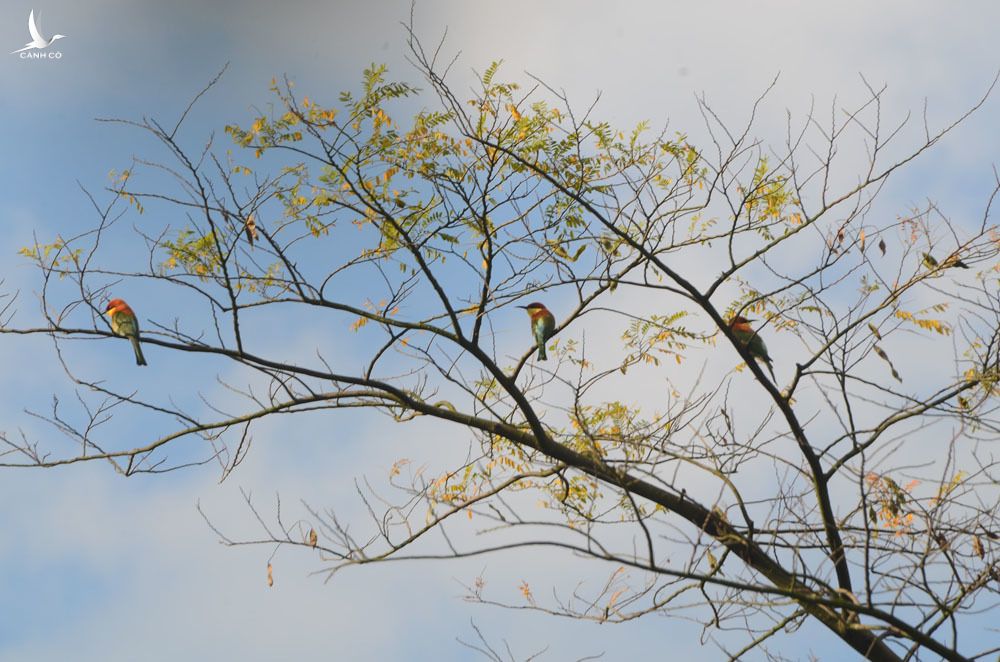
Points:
(103, 568)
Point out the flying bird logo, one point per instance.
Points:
(38, 40)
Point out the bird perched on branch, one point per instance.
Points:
(751, 342)
(930, 262)
(543, 325)
(125, 324)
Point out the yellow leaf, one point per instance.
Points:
(712, 561)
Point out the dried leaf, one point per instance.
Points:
(977, 547)
(270, 577)
(881, 246)
(955, 262)
(885, 357)
(874, 330)
(861, 240)
(251, 229)
(313, 538)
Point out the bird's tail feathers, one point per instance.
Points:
(770, 368)
(139, 358)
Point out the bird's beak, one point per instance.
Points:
(522, 307)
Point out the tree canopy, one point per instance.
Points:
(406, 222)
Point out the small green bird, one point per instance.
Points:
(543, 325)
(125, 324)
(753, 343)
(930, 262)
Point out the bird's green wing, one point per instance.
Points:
(124, 324)
(757, 348)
